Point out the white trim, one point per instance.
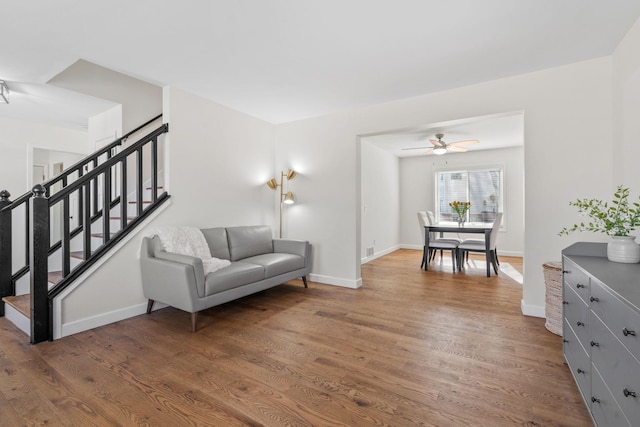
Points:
(475, 168)
(58, 327)
(21, 321)
(416, 247)
(336, 281)
(532, 310)
(105, 319)
(380, 254)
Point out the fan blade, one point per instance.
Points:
(469, 142)
(436, 143)
(457, 149)
(415, 148)
(429, 151)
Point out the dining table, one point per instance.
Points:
(464, 228)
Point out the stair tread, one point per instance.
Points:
(77, 254)
(101, 235)
(54, 276)
(135, 202)
(22, 303)
(129, 218)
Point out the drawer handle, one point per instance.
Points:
(580, 286)
(579, 323)
(594, 344)
(580, 371)
(628, 393)
(565, 340)
(566, 271)
(627, 332)
(565, 302)
(594, 299)
(595, 399)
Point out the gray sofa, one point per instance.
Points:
(257, 260)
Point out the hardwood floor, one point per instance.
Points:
(409, 348)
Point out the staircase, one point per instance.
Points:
(92, 206)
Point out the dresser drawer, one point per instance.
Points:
(578, 361)
(604, 409)
(576, 313)
(621, 319)
(576, 279)
(619, 369)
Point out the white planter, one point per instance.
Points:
(623, 249)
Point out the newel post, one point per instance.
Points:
(6, 286)
(39, 262)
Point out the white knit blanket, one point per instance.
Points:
(189, 241)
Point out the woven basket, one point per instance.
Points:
(553, 300)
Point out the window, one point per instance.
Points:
(482, 187)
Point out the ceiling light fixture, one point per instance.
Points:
(439, 150)
(4, 92)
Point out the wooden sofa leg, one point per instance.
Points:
(304, 280)
(194, 321)
(150, 306)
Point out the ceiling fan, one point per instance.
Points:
(440, 147)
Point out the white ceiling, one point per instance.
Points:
(283, 60)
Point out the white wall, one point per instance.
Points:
(380, 207)
(626, 140)
(141, 101)
(106, 127)
(17, 141)
(568, 115)
(418, 192)
(218, 163)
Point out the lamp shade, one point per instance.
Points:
(272, 183)
(288, 198)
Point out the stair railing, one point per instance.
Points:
(93, 175)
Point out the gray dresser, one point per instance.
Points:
(601, 332)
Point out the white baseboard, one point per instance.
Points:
(17, 318)
(336, 281)
(532, 310)
(416, 247)
(102, 319)
(380, 254)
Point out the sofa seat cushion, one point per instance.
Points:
(237, 274)
(276, 263)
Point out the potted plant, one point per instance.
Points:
(616, 219)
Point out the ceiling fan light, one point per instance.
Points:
(439, 150)
(4, 92)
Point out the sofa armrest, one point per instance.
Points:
(295, 247)
(174, 279)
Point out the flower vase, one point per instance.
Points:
(623, 249)
(461, 222)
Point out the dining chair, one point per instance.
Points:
(435, 243)
(479, 245)
(431, 220)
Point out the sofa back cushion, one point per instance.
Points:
(248, 241)
(217, 240)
